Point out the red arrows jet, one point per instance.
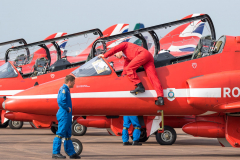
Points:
(195, 84)
(11, 76)
(26, 62)
(79, 130)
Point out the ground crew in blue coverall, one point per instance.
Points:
(64, 117)
(127, 120)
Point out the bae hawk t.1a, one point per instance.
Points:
(204, 84)
(13, 79)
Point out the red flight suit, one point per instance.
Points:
(136, 56)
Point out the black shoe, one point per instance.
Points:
(58, 156)
(139, 88)
(75, 156)
(136, 143)
(160, 101)
(126, 143)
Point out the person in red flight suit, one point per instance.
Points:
(136, 56)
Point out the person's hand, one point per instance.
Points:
(124, 73)
(69, 109)
(100, 56)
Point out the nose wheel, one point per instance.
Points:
(78, 147)
(168, 137)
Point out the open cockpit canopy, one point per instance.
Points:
(168, 42)
(61, 46)
(19, 59)
(57, 53)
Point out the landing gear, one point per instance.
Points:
(78, 129)
(143, 136)
(168, 137)
(4, 125)
(15, 124)
(78, 147)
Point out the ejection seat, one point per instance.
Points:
(20, 60)
(206, 47)
(40, 67)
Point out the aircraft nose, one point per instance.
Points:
(3, 105)
(9, 105)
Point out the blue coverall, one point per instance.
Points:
(127, 120)
(64, 122)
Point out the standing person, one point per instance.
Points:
(127, 120)
(64, 117)
(136, 56)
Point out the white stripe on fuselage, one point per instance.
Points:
(9, 92)
(194, 92)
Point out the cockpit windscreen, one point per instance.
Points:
(94, 67)
(7, 71)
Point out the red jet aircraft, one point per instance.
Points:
(201, 85)
(11, 79)
(184, 44)
(26, 62)
(80, 130)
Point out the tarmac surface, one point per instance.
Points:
(29, 143)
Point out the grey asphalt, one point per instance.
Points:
(29, 143)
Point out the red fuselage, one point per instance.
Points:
(109, 94)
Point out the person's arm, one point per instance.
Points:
(115, 49)
(62, 99)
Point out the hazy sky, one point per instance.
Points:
(34, 20)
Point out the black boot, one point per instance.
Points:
(139, 88)
(58, 156)
(160, 101)
(75, 156)
(136, 143)
(126, 143)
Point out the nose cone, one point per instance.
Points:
(40, 99)
(9, 105)
(3, 105)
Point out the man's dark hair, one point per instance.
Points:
(69, 78)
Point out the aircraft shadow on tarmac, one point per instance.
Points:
(197, 142)
(96, 134)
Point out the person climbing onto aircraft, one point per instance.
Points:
(136, 56)
(64, 117)
(127, 120)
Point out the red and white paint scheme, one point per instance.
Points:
(206, 87)
(113, 30)
(12, 85)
